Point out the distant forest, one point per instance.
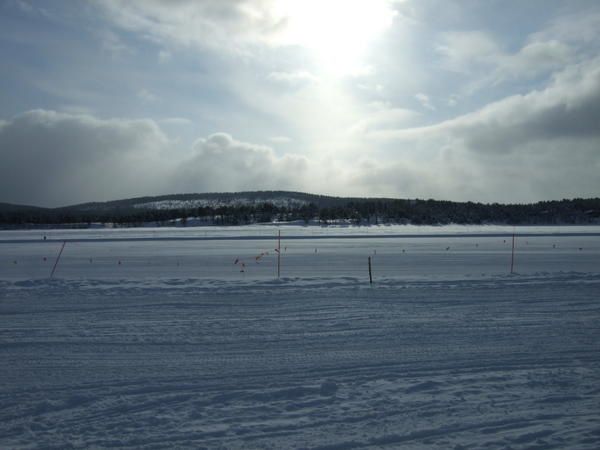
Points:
(223, 209)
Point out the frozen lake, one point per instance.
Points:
(306, 252)
(164, 342)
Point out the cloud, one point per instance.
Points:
(239, 24)
(52, 159)
(534, 58)
(481, 56)
(164, 56)
(539, 145)
(574, 28)
(525, 147)
(280, 139)
(293, 79)
(452, 100)
(425, 101)
(221, 163)
(112, 44)
(179, 121)
(146, 96)
(213, 24)
(75, 109)
(24, 6)
(380, 116)
(27, 8)
(568, 109)
(462, 50)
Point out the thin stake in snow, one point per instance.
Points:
(57, 259)
(278, 254)
(512, 258)
(370, 273)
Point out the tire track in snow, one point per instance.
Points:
(495, 363)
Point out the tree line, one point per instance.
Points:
(354, 211)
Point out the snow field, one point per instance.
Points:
(408, 257)
(446, 350)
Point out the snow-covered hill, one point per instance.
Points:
(280, 202)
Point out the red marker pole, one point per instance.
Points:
(58, 259)
(279, 254)
(512, 258)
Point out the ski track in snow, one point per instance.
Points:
(491, 361)
(484, 364)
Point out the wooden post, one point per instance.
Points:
(279, 254)
(58, 259)
(512, 257)
(370, 273)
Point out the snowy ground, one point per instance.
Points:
(175, 347)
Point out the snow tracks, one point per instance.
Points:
(512, 362)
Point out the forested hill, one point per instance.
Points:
(267, 206)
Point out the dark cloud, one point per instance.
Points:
(524, 123)
(569, 109)
(542, 145)
(51, 158)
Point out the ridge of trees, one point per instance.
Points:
(306, 208)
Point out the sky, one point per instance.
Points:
(487, 101)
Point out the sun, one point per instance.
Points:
(337, 32)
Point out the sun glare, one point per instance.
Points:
(337, 32)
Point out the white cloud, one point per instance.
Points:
(179, 121)
(425, 101)
(533, 59)
(164, 56)
(335, 32)
(51, 158)
(342, 141)
(464, 50)
(280, 139)
(55, 159)
(380, 116)
(293, 79)
(541, 145)
(221, 163)
(76, 110)
(488, 63)
(573, 28)
(146, 96)
(112, 44)
(453, 100)
(209, 23)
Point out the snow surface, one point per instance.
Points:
(165, 343)
(269, 231)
